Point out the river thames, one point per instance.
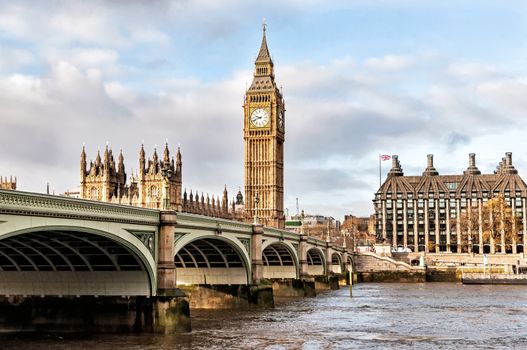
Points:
(378, 316)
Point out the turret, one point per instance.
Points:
(120, 166)
(106, 162)
(121, 173)
(155, 162)
(142, 162)
(224, 201)
(166, 155)
(239, 197)
(179, 174)
(98, 159)
(83, 165)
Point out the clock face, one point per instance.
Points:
(281, 120)
(259, 117)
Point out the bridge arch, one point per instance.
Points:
(350, 264)
(337, 265)
(75, 260)
(211, 259)
(316, 261)
(280, 260)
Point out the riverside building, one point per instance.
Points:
(424, 213)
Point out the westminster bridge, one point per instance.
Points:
(67, 249)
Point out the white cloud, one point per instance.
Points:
(11, 21)
(13, 59)
(88, 83)
(93, 57)
(470, 70)
(390, 62)
(333, 135)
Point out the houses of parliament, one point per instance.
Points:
(159, 179)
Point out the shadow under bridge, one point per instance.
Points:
(211, 260)
(316, 262)
(279, 261)
(72, 262)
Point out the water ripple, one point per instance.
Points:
(378, 316)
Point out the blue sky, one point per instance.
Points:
(360, 78)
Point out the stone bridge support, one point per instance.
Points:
(166, 269)
(345, 261)
(329, 258)
(260, 295)
(302, 256)
(168, 311)
(256, 253)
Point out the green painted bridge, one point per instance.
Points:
(57, 246)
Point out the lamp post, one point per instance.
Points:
(353, 238)
(302, 222)
(256, 202)
(166, 172)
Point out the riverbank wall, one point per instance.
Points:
(371, 267)
(432, 267)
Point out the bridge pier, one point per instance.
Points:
(329, 282)
(94, 314)
(303, 287)
(170, 308)
(329, 258)
(302, 255)
(223, 296)
(171, 314)
(256, 254)
(166, 269)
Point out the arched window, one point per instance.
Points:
(153, 191)
(93, 193)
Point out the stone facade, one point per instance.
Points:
(264, 132)
(158, 185)
(7, 183)
(423, 213)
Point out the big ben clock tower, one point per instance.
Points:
(263, 133)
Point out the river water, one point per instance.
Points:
(378, 316)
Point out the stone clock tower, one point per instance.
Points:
(263, 133)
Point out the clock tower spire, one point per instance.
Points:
(264, 135)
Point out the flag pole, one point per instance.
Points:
(379, 171)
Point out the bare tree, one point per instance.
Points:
(468, 227)
(500, 224)
(497, 221)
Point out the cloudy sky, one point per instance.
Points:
(360, 78)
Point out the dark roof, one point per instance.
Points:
(506, 179)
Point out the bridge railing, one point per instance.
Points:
(29, 203)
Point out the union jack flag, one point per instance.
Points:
(385, 157)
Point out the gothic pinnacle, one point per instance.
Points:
(263, 54)
(178, 155)
(166, 155)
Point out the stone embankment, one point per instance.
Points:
(385, 266)
(371, 267)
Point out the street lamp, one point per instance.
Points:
(302, 216)
(166, 172)
(256, 202)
